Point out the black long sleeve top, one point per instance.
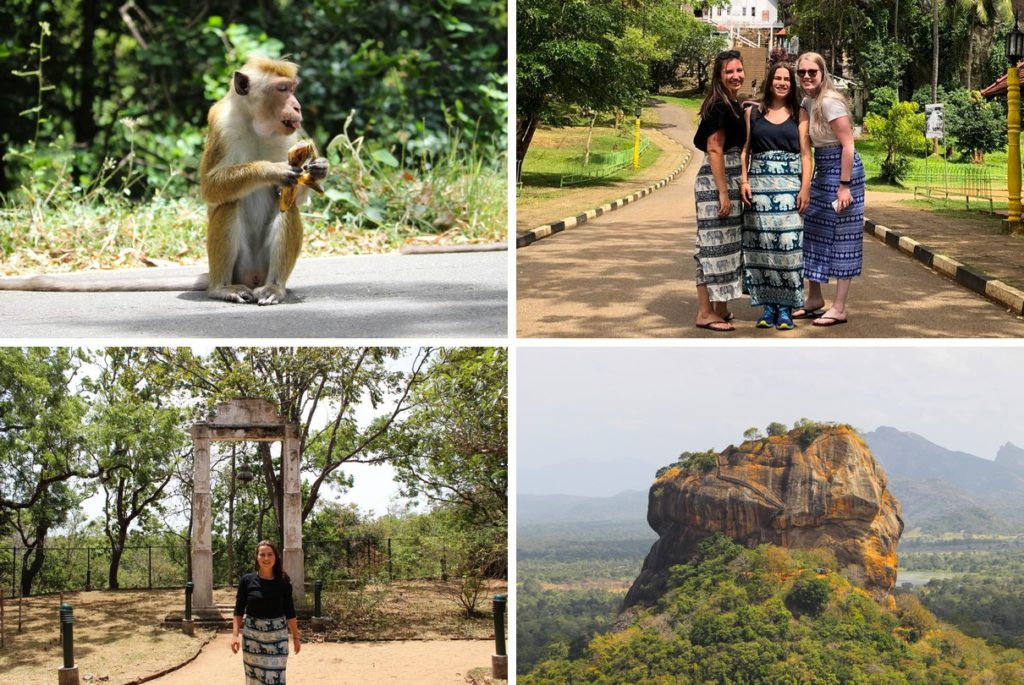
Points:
(262, 598)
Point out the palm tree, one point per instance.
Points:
(982, 14)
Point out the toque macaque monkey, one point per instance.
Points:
(251, 244)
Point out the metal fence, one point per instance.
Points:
(69, 569)
(944, 181)
(600, 164)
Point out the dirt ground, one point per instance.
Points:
(426, 662)
(118, 638)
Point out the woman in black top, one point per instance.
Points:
(265, 599)
(721, 134)
(776, 186)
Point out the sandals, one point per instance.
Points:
(717, 326)
(804, 313)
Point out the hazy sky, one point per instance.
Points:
(596, 421)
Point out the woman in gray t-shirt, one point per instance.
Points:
(834, 221)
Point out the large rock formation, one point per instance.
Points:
(829, 493)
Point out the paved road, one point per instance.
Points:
(630, 274)
(381, 296)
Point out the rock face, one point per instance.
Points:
(830, 493)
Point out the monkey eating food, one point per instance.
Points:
(253, 175)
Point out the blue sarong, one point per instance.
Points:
(833, 243)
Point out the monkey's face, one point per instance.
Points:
(282, 106)
(271, 100)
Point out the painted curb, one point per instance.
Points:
(972, 279)
(546, 230)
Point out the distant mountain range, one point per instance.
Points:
(940, 490)
(943, 490)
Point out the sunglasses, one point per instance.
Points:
(806, 72)
(729, 54)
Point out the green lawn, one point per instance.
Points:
(554, 153)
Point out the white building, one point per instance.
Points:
(754, 14)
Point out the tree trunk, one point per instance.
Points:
(525, 128)
(30, 570)
(82, 118)
(116, 550)
(935, 50)
(275, 487)
(590, 136)
(231, 520)
(970, 57)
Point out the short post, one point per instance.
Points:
(499, 660)
(68, 675)
(318, 622)
(636, 139)
(188, 626)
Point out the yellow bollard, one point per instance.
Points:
(636, 141)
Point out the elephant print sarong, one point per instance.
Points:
(718, 254)
(264, 650)
(773, 231)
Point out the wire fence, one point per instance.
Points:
(944, 181)
(600, 164)
(148, 567)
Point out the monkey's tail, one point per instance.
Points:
(106, 283)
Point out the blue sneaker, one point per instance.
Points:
(767, 319)
(784, 321)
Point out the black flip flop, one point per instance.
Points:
(808, 314)
(832, 321)
(710, 326)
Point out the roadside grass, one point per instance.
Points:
(554, 151)
(56, 229)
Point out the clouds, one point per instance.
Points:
(644, 405)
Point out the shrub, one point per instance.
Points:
(809, 596)
(900, 131)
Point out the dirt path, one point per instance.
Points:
(429, 662)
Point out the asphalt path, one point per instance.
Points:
(629, 274)
(450, 295)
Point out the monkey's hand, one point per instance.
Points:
(284, 174)
(318, 169)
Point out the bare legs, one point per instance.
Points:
(816, 300)
(710, 314)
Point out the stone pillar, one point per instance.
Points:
(292, 552)
(202, 548)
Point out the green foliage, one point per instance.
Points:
(752, 433)
(979, 126)
(901, 131)
(882, 64)
(882, 100)
(697, 462)
(807, 431)
(452, 446)
(776, 429)
(809, 596)
(115, 112)
(724, 619)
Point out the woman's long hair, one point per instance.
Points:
(279, 573)
(716, 91)
(792, 102)
(827, 90)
